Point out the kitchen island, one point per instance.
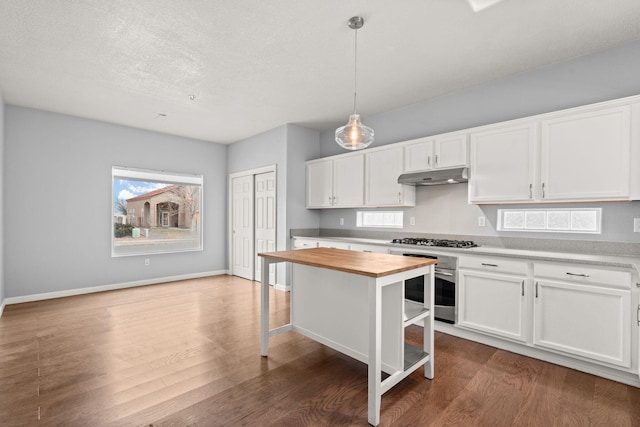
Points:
(354, 303)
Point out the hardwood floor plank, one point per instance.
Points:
(187, 354)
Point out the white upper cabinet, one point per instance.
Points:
(418, 155)
(348, 181)
(382, 169)
(503, 164)
(440, 152)
(586, 156)
(336, 182)
(583, 154)
(320, 184)
(451, 150)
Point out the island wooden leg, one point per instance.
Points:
(264, 307)
(375, 351)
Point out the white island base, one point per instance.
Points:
(359, 315)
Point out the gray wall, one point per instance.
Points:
(58, 185)
(302, 145)
(444, 210)
(593, 78)
(288, 147)
(2, 286)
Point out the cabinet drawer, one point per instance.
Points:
(368, 248)
(502, 265)
(581, 273)
(304, 243)
(333, 244)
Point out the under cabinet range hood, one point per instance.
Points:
(435, 177)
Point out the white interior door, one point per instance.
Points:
(265, 220)
(242, 227)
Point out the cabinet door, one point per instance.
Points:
(450, 151)
(492, 303)
(586, 156)
(588, 321)
(348, 181)
(382, 170)
(320, 184)
(502, 164)
(418, 155)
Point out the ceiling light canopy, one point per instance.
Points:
(354, 135)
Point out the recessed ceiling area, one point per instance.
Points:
(222, 71)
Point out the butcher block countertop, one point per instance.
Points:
(362, 263)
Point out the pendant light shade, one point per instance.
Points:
(354, 135)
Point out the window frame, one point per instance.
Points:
(163, 177)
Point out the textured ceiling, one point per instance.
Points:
(254, 65)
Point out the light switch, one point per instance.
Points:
(412, 220)
(482, 221)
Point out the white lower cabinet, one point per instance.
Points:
(588, 315)
(576, 310)
(492, 302)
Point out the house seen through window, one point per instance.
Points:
(155, 212)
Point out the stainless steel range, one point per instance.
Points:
(445, 275)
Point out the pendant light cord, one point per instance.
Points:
(355, 72)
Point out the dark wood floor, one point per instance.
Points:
(187, 353)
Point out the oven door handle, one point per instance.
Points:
(442, 273)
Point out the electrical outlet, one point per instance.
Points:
(147, 262)
(482, 221)
(341, 221)
(412, 220)
(636, 225)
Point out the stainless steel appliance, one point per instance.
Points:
(445, 287)
(445, 275)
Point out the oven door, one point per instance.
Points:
(445, 291)
(445, 295)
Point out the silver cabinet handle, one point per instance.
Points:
(638, 315)
(399, 197)
(577, 274)
(543, 190)
(489, 265)
(531, 191)
(436, 162)
(429, 161)
(536, 289)
(335, 200)
(522, 286)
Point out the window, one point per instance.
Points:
(380, 219)
(551, 220)
(155, 212)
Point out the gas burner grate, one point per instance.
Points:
(443, 243)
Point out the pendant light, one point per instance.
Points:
(354, 135)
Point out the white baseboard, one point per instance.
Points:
(80, 291)
(283, 288)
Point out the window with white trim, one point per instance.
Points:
(574, 220)
(155, 212)
(380, 219)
